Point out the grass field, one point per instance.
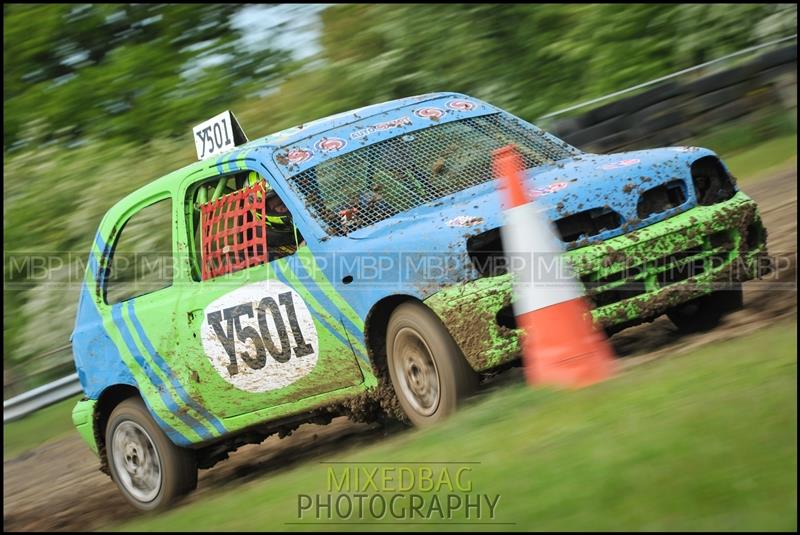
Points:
(748, 165)
(706, 440)
(754, 147)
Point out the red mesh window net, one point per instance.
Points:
(233, 230)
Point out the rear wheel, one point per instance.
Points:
(428, 371)
(705, 312)
(148, 468)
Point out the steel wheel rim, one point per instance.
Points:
(416, 371)
(136, 461)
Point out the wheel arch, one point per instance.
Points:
(109, 398)
(375, 326)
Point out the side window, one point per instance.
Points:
(141, 261)
(236, 222)
(203, 194)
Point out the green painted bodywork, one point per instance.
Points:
(469, 310)
(83, 419)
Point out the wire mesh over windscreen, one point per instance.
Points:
(373, 183)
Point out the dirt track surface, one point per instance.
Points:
(57, 486)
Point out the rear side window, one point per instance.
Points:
(141, 261)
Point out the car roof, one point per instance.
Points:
(288, 136)
(294, 134)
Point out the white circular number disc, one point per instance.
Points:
(273, 374)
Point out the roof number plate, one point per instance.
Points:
(217, 135)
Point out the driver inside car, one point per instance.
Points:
(282, 236)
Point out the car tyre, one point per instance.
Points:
(429, 373)
(705, 312)
(150, 471)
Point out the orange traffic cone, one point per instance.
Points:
(560, 345)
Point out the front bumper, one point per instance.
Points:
(631, 278)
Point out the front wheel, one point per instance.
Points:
(428, 371)
(704, 313)
(148, 468)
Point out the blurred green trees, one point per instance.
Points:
(123, 71)
(531, 58)
(137, 72)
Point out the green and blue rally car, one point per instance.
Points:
(354, 265)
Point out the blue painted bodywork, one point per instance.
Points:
(97, 358)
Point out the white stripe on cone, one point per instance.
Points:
(542, 277)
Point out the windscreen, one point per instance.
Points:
(378, 181)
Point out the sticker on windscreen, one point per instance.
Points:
(329, 144)
(434, 114)
(260, 337)
(461, 105)
(386, 125)
(298, 155)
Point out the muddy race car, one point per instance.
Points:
(354, 265)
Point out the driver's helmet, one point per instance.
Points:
(281, 229)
